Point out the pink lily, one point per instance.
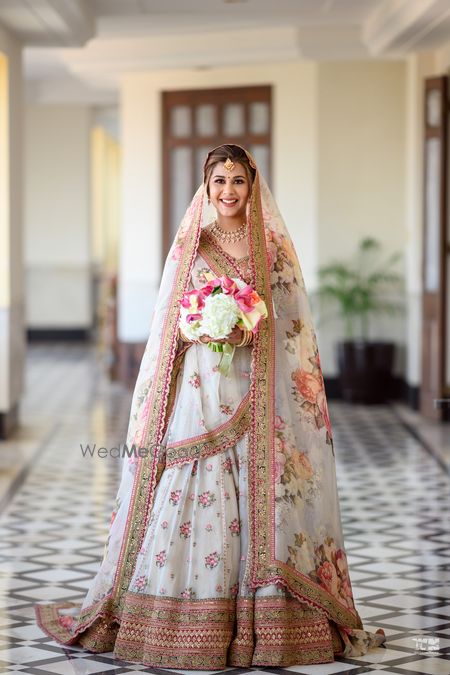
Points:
(193, 300)
(190, 318)
(251, 320)
(229, 287)
(247, 298)
(210, 286)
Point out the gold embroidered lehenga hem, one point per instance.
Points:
(212, 634)
(225, 545)
(255, 638)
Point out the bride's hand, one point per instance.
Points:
(234, 338)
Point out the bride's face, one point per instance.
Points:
(229, 190)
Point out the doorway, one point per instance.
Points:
(196, 121)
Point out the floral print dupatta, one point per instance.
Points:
(295, 531)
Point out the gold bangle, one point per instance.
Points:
(246, 339)
(244, 336)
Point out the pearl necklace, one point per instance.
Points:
(228, 237)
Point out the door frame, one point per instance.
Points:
(219, 97)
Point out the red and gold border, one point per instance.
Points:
(210, 634)
(153, 431)
(219, 261)
(207, 634)
(212, 442)
(148, 468)
(265, 567)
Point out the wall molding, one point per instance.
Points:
(9, 421)
(55, 334)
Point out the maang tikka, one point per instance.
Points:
(229, 164)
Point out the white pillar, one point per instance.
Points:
(57, 217)
(12, 336)
(140, 233)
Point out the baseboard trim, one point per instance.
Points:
(412, 396)
(59, 334)
(400, 390)
(9, 421)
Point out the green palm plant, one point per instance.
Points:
(361, 287)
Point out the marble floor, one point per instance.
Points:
(55, 504)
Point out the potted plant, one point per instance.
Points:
(364, 287)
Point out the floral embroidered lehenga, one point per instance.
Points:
(225, 545)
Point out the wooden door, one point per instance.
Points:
(434, 395)
(196, 121)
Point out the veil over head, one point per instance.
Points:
(295, 532)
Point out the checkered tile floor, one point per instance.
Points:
(55, 506)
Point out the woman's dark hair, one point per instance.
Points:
(221, 154)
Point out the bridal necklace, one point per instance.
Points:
(227, 236)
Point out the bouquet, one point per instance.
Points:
(216, 309)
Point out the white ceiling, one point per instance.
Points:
(134, 16)
(82, 46)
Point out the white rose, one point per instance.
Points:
(220, 315)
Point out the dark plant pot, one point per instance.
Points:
(365, 370)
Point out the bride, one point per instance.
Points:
(225, 546)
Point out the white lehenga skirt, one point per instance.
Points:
(197, 540)
(189, 604)
(195, 544)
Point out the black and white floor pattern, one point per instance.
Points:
(55, 506)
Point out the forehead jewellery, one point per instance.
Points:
(229, 164)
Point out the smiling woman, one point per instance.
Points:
(225, 546)
(228, 186)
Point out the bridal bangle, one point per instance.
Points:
(247, 338)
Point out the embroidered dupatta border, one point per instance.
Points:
(173, 383)
(212, 442)
(146, 476)
(265, 567)
(148, 469)
(222, 263)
